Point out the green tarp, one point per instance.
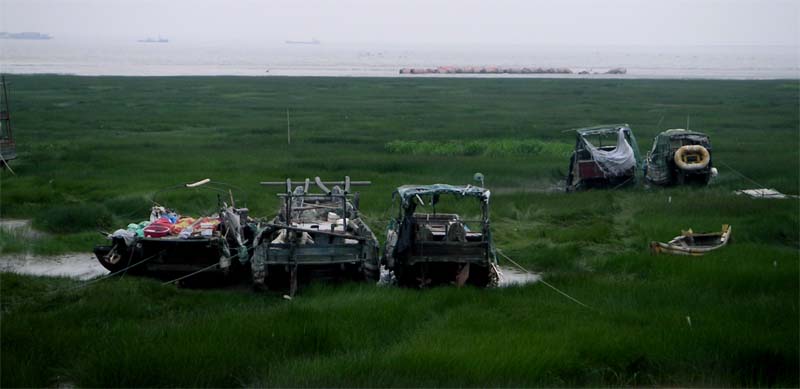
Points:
(408, 192)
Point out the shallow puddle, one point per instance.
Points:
(13, 224)
(508, 277)
(512, 277)
(21, 227)
(82, 266)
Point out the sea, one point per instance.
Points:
(176, 58)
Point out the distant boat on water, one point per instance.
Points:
(153, 40)
(313, 41)
(24, 35)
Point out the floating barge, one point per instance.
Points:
(502, 70)
(485, 70)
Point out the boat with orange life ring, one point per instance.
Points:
(680, 157)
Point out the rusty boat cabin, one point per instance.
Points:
(315, 236)
(170, 245)
(605, 156)
(429, 247)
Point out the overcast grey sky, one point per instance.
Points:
(415, 22)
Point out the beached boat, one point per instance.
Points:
(315, 236)
(680, 157)
(604, 157)
(436, 247)
(171, 245)
(691, 243)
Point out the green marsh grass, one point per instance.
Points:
(494, 148)
(106, 145)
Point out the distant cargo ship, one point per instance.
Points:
(153, 40)
(24, 35)
(313, 41)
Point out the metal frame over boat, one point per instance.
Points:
(319, 235)
(436, 248)
(605, 156)
(691, 243)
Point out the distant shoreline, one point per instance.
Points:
(597, 77)
(183, 59)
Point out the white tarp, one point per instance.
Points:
(763, 193)
(617, 161)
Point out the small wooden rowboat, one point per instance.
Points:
(690, 243)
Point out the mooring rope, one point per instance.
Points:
(742, 175)
(191, 274)
(543, 281)
(88, 283)
(623, 183)
(5, 163)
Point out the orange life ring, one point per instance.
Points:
(692, 157)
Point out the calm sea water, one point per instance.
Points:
(180, 58)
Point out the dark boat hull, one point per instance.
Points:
(168, 257)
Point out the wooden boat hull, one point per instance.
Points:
(166, 257)
(689, 243)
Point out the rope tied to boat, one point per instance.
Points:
(193, 273)
(545, 282)
(5, 163)
(740, 174)
(90, 282)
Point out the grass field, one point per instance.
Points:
(93, 151)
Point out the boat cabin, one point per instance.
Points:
(431, 243)
(604, 156)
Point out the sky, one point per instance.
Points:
(415, 22)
